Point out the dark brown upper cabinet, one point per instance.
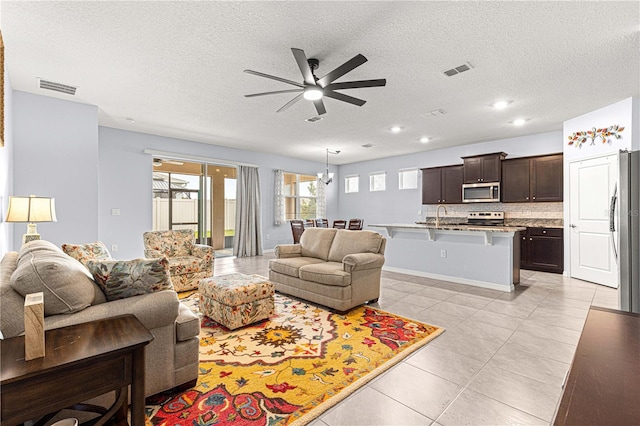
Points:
(442, 185)
(532, 179)
(483, 168)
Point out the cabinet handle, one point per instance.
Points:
(530, 239)
(534, 198)
(527, 198)
(524, 238)
(544, 232)
(444, 201)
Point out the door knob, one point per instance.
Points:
(573, 226)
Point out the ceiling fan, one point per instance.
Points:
(314, 88)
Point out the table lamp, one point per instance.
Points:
(29, 210)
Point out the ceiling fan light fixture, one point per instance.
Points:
(313, 93)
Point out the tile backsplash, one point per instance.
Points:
(511, 210)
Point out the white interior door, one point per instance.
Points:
(591, 186)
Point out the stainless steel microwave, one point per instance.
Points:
(485, 192)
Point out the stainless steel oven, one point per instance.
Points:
(485, 192)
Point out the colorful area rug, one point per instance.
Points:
(288, 369)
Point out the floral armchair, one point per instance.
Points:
(188, 262)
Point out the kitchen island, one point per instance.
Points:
(484, 256)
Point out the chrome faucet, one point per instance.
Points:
(438, 213)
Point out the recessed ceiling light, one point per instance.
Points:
(519, 122)
(396, 129)
(367, 145)
(424, 139)
(500, 104)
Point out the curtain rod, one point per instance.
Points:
(178, 156)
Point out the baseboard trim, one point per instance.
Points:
(475, 283)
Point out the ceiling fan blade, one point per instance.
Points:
(351, 64)
(357, 84)
(303, 64)
(273, 77)
(320, 106)
(291, 102)
(272, 93)
(344, 98)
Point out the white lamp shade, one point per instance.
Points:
(31, 209)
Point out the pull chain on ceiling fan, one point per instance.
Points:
(314, 88)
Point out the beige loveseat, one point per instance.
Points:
(72, 297)
(332, 267)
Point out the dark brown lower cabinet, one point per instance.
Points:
(542, 249)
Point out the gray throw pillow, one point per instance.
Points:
(65, 282)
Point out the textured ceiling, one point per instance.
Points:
(176, 68)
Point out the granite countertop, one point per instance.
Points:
(451, 227)
(508, 223)
(465, 227)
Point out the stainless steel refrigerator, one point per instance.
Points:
(625, 229)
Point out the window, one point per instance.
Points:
(351, 183)
(408, 179)
(300, 196)
(377, 181)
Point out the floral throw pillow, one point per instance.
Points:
(87, 252)
(120, 279)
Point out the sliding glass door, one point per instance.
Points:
(197, 196)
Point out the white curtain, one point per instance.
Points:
(278, 212)
(248, 241)
(321, 201)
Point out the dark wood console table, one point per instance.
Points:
(81, 362)
(603, 385)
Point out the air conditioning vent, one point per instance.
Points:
(457, 70)
(435, 113)
(56, 87)
(367, 145)
(313, 119)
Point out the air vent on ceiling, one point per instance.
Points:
(367, 145)
(435, 113)
(313, 119)
(457, 70)
(57, 87)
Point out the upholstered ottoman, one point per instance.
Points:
(236, 300)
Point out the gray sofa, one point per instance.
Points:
(171, 358)
(333, 267)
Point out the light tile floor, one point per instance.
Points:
(502, 359)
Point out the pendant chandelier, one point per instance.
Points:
(327, 177)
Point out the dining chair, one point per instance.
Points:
(340, 224)
(297, 228)
(355, 224)
(322, 223)
(309, 223)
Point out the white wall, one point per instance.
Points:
(126, 182)
(6, 169)
(60, 151)
(394, 205)
(56, 155)
(625, 113)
